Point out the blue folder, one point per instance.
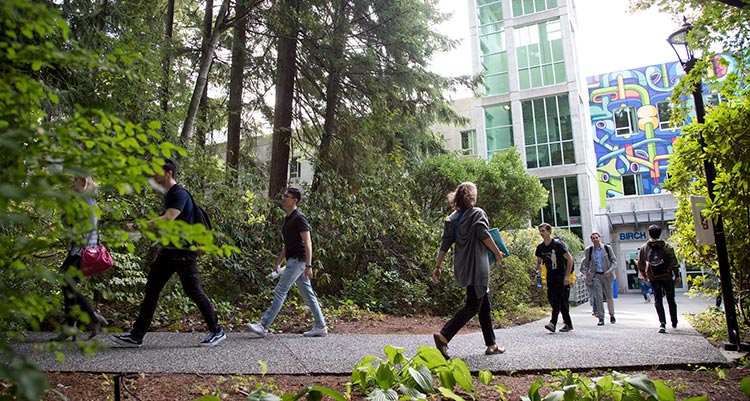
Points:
(495, 235)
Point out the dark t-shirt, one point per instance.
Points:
(553, 257)
(178, 198)
(294, 224)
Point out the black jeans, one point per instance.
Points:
(558, 294)
(473, 306)
(71, 296)
(662, 288)
(168, 263)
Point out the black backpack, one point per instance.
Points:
(200, 215)
(657, 266)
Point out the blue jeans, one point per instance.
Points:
(294, 273)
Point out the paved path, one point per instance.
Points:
(632, 342)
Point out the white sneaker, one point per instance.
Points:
(258, 329)
(316, 332)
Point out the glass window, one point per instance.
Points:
(665, 114)
(632, 184)
(492, 44)
(524, 7)
(625, 121)
(498, 123)
(295, 167)
(469, 142)
(539, 51)
(712, 100)
(563, 208)
(547, 133)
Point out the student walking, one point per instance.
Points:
(72, 297)
(178, 205)
(598, 266)
(554, 255)
(297, 251)
(467, 227)
(658, 263)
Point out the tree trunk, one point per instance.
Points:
(235, 90)
(333, 88)
(201, 132)
(167, 65)
(282, 117)
(205, 63)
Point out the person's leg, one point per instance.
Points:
(158, 275)
(565, 305)
(287, 278)
(485, 320)
(308, 294)
(553, 295)
(658, 288)
(598, 288)
(669, 292)
(68, 286)
(459, 320)
(187, 269)
(607, 286)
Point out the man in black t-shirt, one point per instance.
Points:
(178, 205)
(297, 251)
(559, 264)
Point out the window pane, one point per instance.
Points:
(524, 79)
(569, 152)
(517, 8)
(534, 56)
(492, 43)
(531, 158)
(528, 123)
(628, 185)
(523, 57)
(561, 203)
(495, 63)
(497, 84)
(490, 13)
(536, 77)
(560, 73)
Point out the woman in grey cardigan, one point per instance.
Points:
(467, 227)
(72, 297)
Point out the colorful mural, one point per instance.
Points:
(628, 140)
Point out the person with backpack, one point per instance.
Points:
(468, 228)
(554, 255)
(598, 266)
(178, 205)
(658, 264)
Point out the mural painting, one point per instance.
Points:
(633, 139)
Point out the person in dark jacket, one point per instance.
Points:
(663, 285)
(558, 261)
(467, 227)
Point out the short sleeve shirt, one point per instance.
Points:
(553, 257)
(178, 198)
(294, 224)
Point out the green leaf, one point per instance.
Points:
(534, 390)
(462, 375)
(411, 392)
(745, 386)
(448, 393)
(36, 65)
(383, 395)
(485, 377)
(665, 393)
(423, 377)
(556, 395)
(384, 376)
(329, 392)
(643, 383)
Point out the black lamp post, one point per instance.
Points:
(678, 40)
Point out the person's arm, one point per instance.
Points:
(492, 246)
(280, 260)
(539, 267)
(612, 260)
(308, 253)
(436, 272)
(569, 259)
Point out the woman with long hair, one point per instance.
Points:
(75, 304)
(467, 227)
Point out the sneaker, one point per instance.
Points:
(258, 329)
(316, 332)
(601, 322)
(213, 339)
(550, 327)
(566, 328)
(662, 329)
(127, 340)
(612, 319)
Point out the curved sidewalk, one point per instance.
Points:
(632, 342)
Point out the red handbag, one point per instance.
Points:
(95, 260)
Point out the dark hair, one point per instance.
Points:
(546, 226)
(654, 231)
(295, 192)
(170, 165)
(464, 197)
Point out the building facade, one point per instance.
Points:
(534, 100)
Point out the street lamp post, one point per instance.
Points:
(678, 40)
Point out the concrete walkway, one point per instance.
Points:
(631, 342)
